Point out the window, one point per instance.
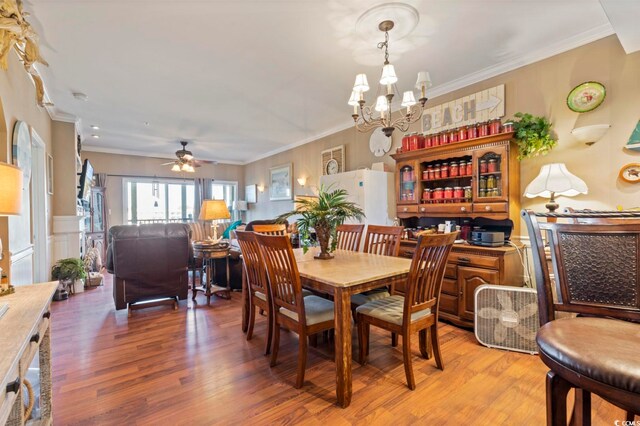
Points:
(227, 191)
(172, 202)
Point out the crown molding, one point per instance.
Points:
(527, 58)
(159, 155)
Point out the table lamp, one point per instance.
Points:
(10, 204)
(213, 210)
(554, 179)
(240, 206)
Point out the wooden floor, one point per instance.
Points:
(194, 366)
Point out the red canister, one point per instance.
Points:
(462, 168)
(420, 140)
(428, 141)
(425, 175)
(444, 170)
(436, 172)
(454, 169)
(462, 133)
(448, 193)
(469, 168)
(432, 173)
(453, 136)
(483, 166)
(437, 194)
(483, 129)
(494, 127)
(472, 132)
(413, 141)
(444, 138)
(425, 194)
(492, 166)
(405, 143)
(458, 192)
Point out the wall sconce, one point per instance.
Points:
(590, 134)
(302, 181)
(260, 188)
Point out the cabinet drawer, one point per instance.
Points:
(452, 208)
(408, 209)
(451, 271)
(474, 260)
(449, 304)
(450, 286)
(34, 343)
(490, 207)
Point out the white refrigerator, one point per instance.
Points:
(372, 190)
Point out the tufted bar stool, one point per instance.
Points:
(596, 263)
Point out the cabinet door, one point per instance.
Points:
(407, 182)
(468, 280)
(97, 211)
(491, 170)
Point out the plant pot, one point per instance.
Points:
(323, 234)
(78, 286)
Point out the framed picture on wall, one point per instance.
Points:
(280, 183)
(251, 194)
(49, 174)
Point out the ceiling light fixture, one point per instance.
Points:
(95, 136)
(94, 127)
(80, 96)
(379, 114)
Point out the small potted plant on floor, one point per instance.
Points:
(323, 214)
(532, 135)
(70, 272)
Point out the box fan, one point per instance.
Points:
(507, 317)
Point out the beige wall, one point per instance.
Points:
(17, 97)
(541, 89)
(64, 164)
(130, 165)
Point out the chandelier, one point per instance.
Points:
(379, 115)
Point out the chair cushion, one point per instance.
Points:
(605, 350)
(368, 296)
(260, 295)
(389, 309)
(306, 292)
(316, 308)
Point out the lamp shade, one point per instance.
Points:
(382, 104)
(424, 79)
(239, 205)
(353, 99)
(555, 179)
(361, 84)
(10, 189)
(408, 99)
(214, 210)
(388, 75)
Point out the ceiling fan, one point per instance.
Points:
(185, 161)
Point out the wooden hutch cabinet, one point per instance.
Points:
(96, 224)
(492, 192)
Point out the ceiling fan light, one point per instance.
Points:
(382, 104)
(187, 157)
(175, 167)
(408, 99)
(361, 84)
(388, 75)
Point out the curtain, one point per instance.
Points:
(202, 191)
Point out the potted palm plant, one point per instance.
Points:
(70, 271)
(323, 214)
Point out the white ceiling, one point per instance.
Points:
(242, 79)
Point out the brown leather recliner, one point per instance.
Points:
(148, 262)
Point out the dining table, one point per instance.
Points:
(347, 273)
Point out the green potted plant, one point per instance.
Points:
(70, 271)
(323, 214)
(532, 135)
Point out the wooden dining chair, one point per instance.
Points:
(304, 315)
(271, 229)
(596, 264)
(417, 311)
(257, 284)
(382, 240)
(349, 237)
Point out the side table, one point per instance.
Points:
(209, 253)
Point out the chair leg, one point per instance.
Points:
(363, 341)
(276, 343)
(408, 367)
(270, 327)
(435, 345)
(394, 339)
(302, 360)
(557, 390)
(581, 414)
(252, 320)
(425, 345)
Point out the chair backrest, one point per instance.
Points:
(349, 237)
(426, 273)
(271, 229)
(596, 264)
(384, 240)
(282, 271)
(254, 268)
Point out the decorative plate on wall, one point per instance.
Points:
(22, 150)
(586, 97)
(333, 160)
(630, 173)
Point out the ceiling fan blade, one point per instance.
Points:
(200, 162)
(166, 164)
(187, 156)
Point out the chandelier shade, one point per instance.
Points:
(370, 117)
